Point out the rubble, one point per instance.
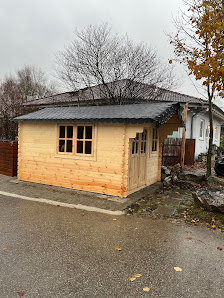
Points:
(167, 181)
(165, 172)
(177, 176)
(213, 181)
(197, 178)
(210, 198)
(185, 183)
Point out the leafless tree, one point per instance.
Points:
(120, 67)
(28, 82)
(32, 83)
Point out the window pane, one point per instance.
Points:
(155, 148)
(143, 147)
(80, 131)
(70, 132)
(133, 147)
(136, 148)
(154, 134)
(62, 132)
(201, 129)
(88, 147)
(88, 132)
(69, 146)
(61, 145)
(137, 136)
(153, 143)
(79, 146)
(144, 135)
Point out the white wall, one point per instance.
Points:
(193, 131)
(201, 144)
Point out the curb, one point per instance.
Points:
(61, 204)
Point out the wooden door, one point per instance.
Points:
(137, 160)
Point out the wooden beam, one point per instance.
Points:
(184, 137)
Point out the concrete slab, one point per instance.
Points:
(61, 204)
(164, 210)
(70, 198)
(171, 201)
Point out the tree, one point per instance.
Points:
(32, 83)
(119, 67)
(199, 44)
(29, 82)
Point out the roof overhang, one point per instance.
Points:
(129, 114)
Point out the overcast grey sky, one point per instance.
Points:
(33, 31)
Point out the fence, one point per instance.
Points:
(8, 157)
(172, 151)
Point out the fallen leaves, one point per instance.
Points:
(213, 226)
(21, 293)
(219, 248)
(146, 289)
(117, 248)
(177, 269)
(114, 219)
(137, 275)
(4, 248)
(134, 277)
(189, 238)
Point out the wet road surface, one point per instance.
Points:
(60, 252)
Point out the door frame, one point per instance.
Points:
(137, 155)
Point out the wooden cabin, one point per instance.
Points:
(113, 150)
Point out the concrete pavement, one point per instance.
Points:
(59, 252)
(64, 197)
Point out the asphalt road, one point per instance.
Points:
(46, 257)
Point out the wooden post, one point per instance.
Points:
(184, 137)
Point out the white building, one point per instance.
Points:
(197, 126)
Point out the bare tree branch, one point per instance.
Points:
(29, 82)
(115, 63)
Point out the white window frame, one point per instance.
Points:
(207, 131)
(201, 137)
(216, 133)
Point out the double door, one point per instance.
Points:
(137, 160)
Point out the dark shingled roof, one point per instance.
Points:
(95, 95)
(133, 113)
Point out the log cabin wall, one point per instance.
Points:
(39, 162)
(106, 172)
(154, 159)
